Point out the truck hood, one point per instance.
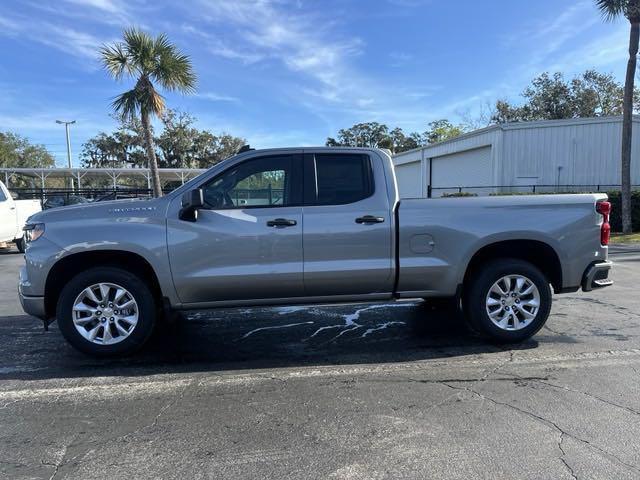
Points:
(126, 207)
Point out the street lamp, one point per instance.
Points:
(66, 127)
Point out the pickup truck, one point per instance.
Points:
(307, 226)
(13, 215)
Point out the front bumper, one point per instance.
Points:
(597, 276)
(33, 306)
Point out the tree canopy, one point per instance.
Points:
(379, 135)
(179, 145)
(551, 97)
(18, 152)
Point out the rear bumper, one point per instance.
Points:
(597, 276)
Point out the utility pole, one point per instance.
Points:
(66, 127)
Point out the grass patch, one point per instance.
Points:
(628, 238)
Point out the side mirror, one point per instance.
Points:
(191, 202)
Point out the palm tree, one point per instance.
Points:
(149, 60)
(630, 9)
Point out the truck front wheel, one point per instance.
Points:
(106, 311)
(508, 300)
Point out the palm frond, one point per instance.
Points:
(612, 9)
(149, 99)
(174, 71)
(162, 45)
(139, 47)
(154, 103)
(126, 105)
(115, 60)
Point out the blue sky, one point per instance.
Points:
(285, 73)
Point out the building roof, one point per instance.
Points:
(519, 125)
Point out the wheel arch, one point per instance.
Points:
(536, 252)
(69, 266)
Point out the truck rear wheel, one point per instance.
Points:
(508, 300)
(106, 311)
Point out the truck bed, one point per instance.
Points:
(438, 238)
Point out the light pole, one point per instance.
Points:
(66, 127)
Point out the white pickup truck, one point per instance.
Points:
(13, 216)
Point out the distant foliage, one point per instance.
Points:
(179, 145)
(17, 152)
(379, 135)
(616, 211)
(551, 97)
(441, 130)
(459, 194)
(123, 148)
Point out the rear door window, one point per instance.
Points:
(342, 178)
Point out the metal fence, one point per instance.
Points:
(50, 197)
(91, 194)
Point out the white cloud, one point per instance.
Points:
(9, 26)
(400, 59)
(110, 6)
(47, 121)
(214, 97)
(608, 51)
(409, 3)
(66, 39)
(118, 13)
(278, 31)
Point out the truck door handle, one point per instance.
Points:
(369, 219)
(281, 222)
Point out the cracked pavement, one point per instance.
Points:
(341, 392)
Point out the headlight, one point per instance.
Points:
(33, 231)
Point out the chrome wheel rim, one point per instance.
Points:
(105, 313)
(513, 302)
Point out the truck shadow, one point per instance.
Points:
(220, 340)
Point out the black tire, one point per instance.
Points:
(20, 244)
(475, 299)
(147, 311)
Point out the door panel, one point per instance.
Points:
(342, 256)
(234, 255)
(247, 243)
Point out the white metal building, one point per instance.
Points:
(570, 155)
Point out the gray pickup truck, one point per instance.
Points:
(307, 226)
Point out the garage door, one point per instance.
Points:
(471, 168)
(409, 179)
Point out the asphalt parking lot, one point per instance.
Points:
(347, 392)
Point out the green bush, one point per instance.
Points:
(459, 194)
(616, 212)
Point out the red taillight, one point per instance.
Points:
(604, 209)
